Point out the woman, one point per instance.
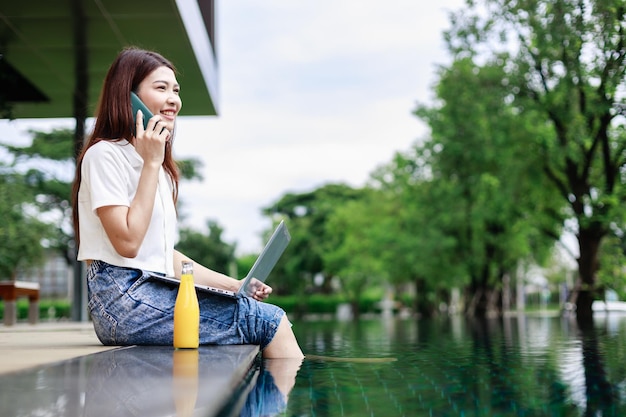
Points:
(124, 198)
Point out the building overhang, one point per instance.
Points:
(38, 44)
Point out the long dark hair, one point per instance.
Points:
(114, 118)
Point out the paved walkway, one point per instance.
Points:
(25, 345)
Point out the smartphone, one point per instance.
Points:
(137, 104)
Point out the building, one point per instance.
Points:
(54, 56)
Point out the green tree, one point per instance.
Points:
(565, 60)
(612, 274)
(48, 166)
(418, 231)
(208, 250)
(306, 215)
(479, 155)
(21, 233)
(355, 246)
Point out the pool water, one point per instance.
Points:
(515, 366)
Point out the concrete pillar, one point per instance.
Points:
(10, 313)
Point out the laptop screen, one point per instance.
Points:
(268, 258)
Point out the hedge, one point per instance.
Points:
(323, 303)
(48, 309)
(311, 304)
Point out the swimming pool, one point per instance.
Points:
(516, 366)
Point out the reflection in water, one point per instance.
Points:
(269, 395)
(531, 366)
(601, 394)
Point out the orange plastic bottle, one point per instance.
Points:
(186, 311)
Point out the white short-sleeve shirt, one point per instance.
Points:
(110, 175)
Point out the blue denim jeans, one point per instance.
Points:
(127, 307)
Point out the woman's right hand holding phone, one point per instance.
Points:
(150, 142)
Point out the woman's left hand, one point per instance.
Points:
(259, 290)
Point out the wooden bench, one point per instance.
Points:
(10, 291)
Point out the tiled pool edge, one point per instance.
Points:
(148, 379)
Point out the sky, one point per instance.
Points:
(310, 93)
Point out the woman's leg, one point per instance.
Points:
(284, 343)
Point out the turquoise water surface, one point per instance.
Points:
(515, 366)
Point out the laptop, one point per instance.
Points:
(261, 269)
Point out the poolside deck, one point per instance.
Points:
(62, 369)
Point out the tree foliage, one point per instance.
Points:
(307, 214)
(209, 249)
(21, 233)
(564, 61)
(482, 156)
(355, 246)
(420, 237)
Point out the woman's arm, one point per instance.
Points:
(205, 276)
(125, 226)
